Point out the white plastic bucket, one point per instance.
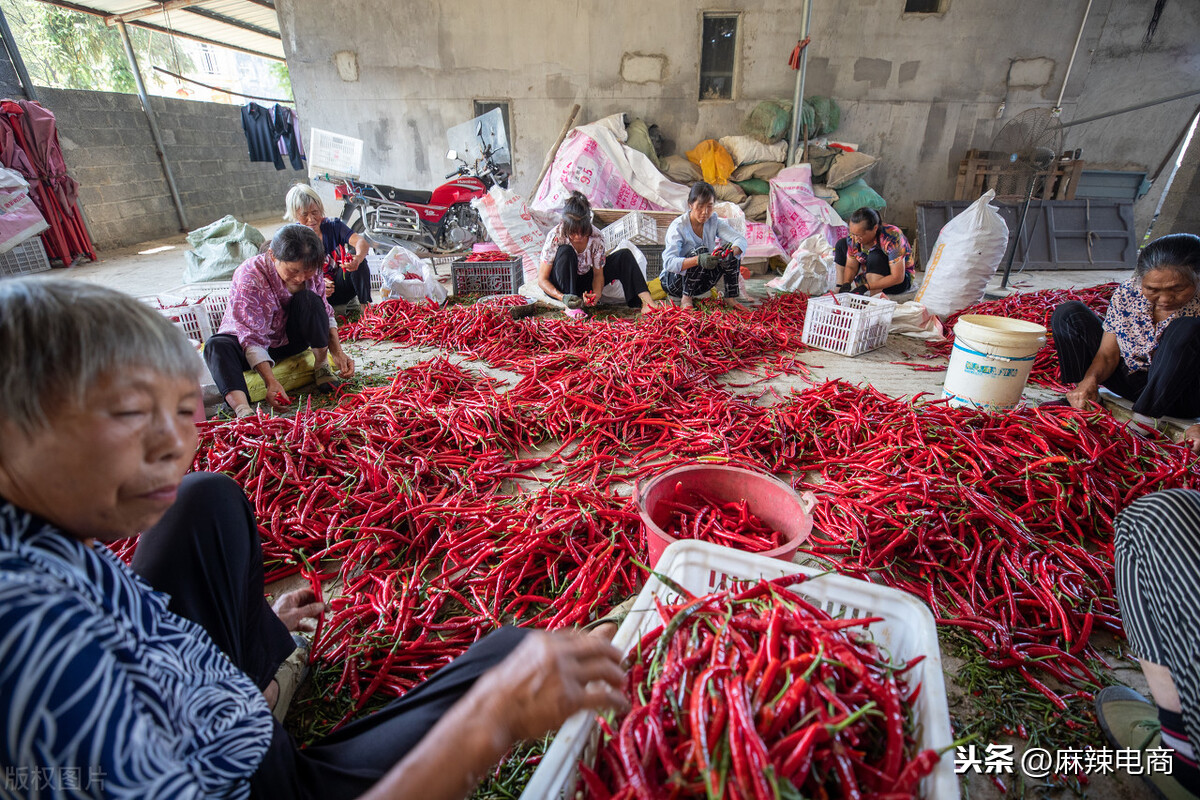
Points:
(991, 360)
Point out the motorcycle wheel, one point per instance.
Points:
(461, 227)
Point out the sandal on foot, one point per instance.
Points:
(1130, 721)
(325, 379)
(575, 313)
(243, 411)
(290, 675)
(616, 615)
(572, 301)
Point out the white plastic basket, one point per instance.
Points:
(212, 295)
(334, 155)
(847, 324)
(189, 316)
(907, 631)
(634, 226)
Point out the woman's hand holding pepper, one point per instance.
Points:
(276, 396)
(549, 677)
(1084, 393)
(343, 363)
(298, 610)
(1191, 437)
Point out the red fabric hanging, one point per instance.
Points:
(29, 144)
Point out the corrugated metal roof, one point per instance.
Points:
(248, 25)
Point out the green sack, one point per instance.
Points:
(219, 248)
(769, 121)
(639, 139)
(754, 186)
(825, 115)
(855, 196)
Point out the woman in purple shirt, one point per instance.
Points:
(277, 308)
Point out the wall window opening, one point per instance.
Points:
(718, 56)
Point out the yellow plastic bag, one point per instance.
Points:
(658, 293)
(292, 373)
(714, 161)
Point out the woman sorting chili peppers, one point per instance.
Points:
(1147, 348)
(1157, 552)
(347, 276)
(156, 680)
(277, 308)
(691, 267)
(874, 257)
(574, 268)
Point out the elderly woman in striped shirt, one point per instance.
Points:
(157, 681)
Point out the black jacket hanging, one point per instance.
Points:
(260, 134)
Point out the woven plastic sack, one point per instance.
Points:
(20, 218)
(512, 226)
(855, 196)
(812, 269)
(825, 115)
(714, 161)
(964, 258)
(219, 248)
(769, 121)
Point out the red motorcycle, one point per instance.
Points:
(439, 220)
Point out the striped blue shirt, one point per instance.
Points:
(103, 691)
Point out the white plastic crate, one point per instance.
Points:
(212, 295)
(907, 631)
(333, 155)
(847, 324)
(26, 258)
(634, 226)
(189, 316)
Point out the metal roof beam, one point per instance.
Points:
(159, 8)
(264, 3)
(234, 22)
(67, 4)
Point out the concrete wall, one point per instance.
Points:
(917, 90)
(109, 151)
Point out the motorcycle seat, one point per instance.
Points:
(393, 195)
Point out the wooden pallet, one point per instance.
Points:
(982, 170)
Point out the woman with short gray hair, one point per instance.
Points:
(1147, 349)
(156, 681)
(346, 274)
(277, 308)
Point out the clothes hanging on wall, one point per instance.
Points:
(286, 136)
(272, 133)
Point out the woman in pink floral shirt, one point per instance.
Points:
(1147, 349)
(574, 268)
(277, 308)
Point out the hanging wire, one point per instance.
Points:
(1152, 28)
(174, 41)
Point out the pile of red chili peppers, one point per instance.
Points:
(741, 694)
(727, 524)
(448, 502)
(488, 256)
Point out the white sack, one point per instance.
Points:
(812, 269)
(965, 257)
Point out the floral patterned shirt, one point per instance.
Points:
(591, 258)
(891, 241)
(257, 311)
(1131, 319)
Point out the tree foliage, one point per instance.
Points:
(69, 50)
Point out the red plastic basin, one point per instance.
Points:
(769, 499)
